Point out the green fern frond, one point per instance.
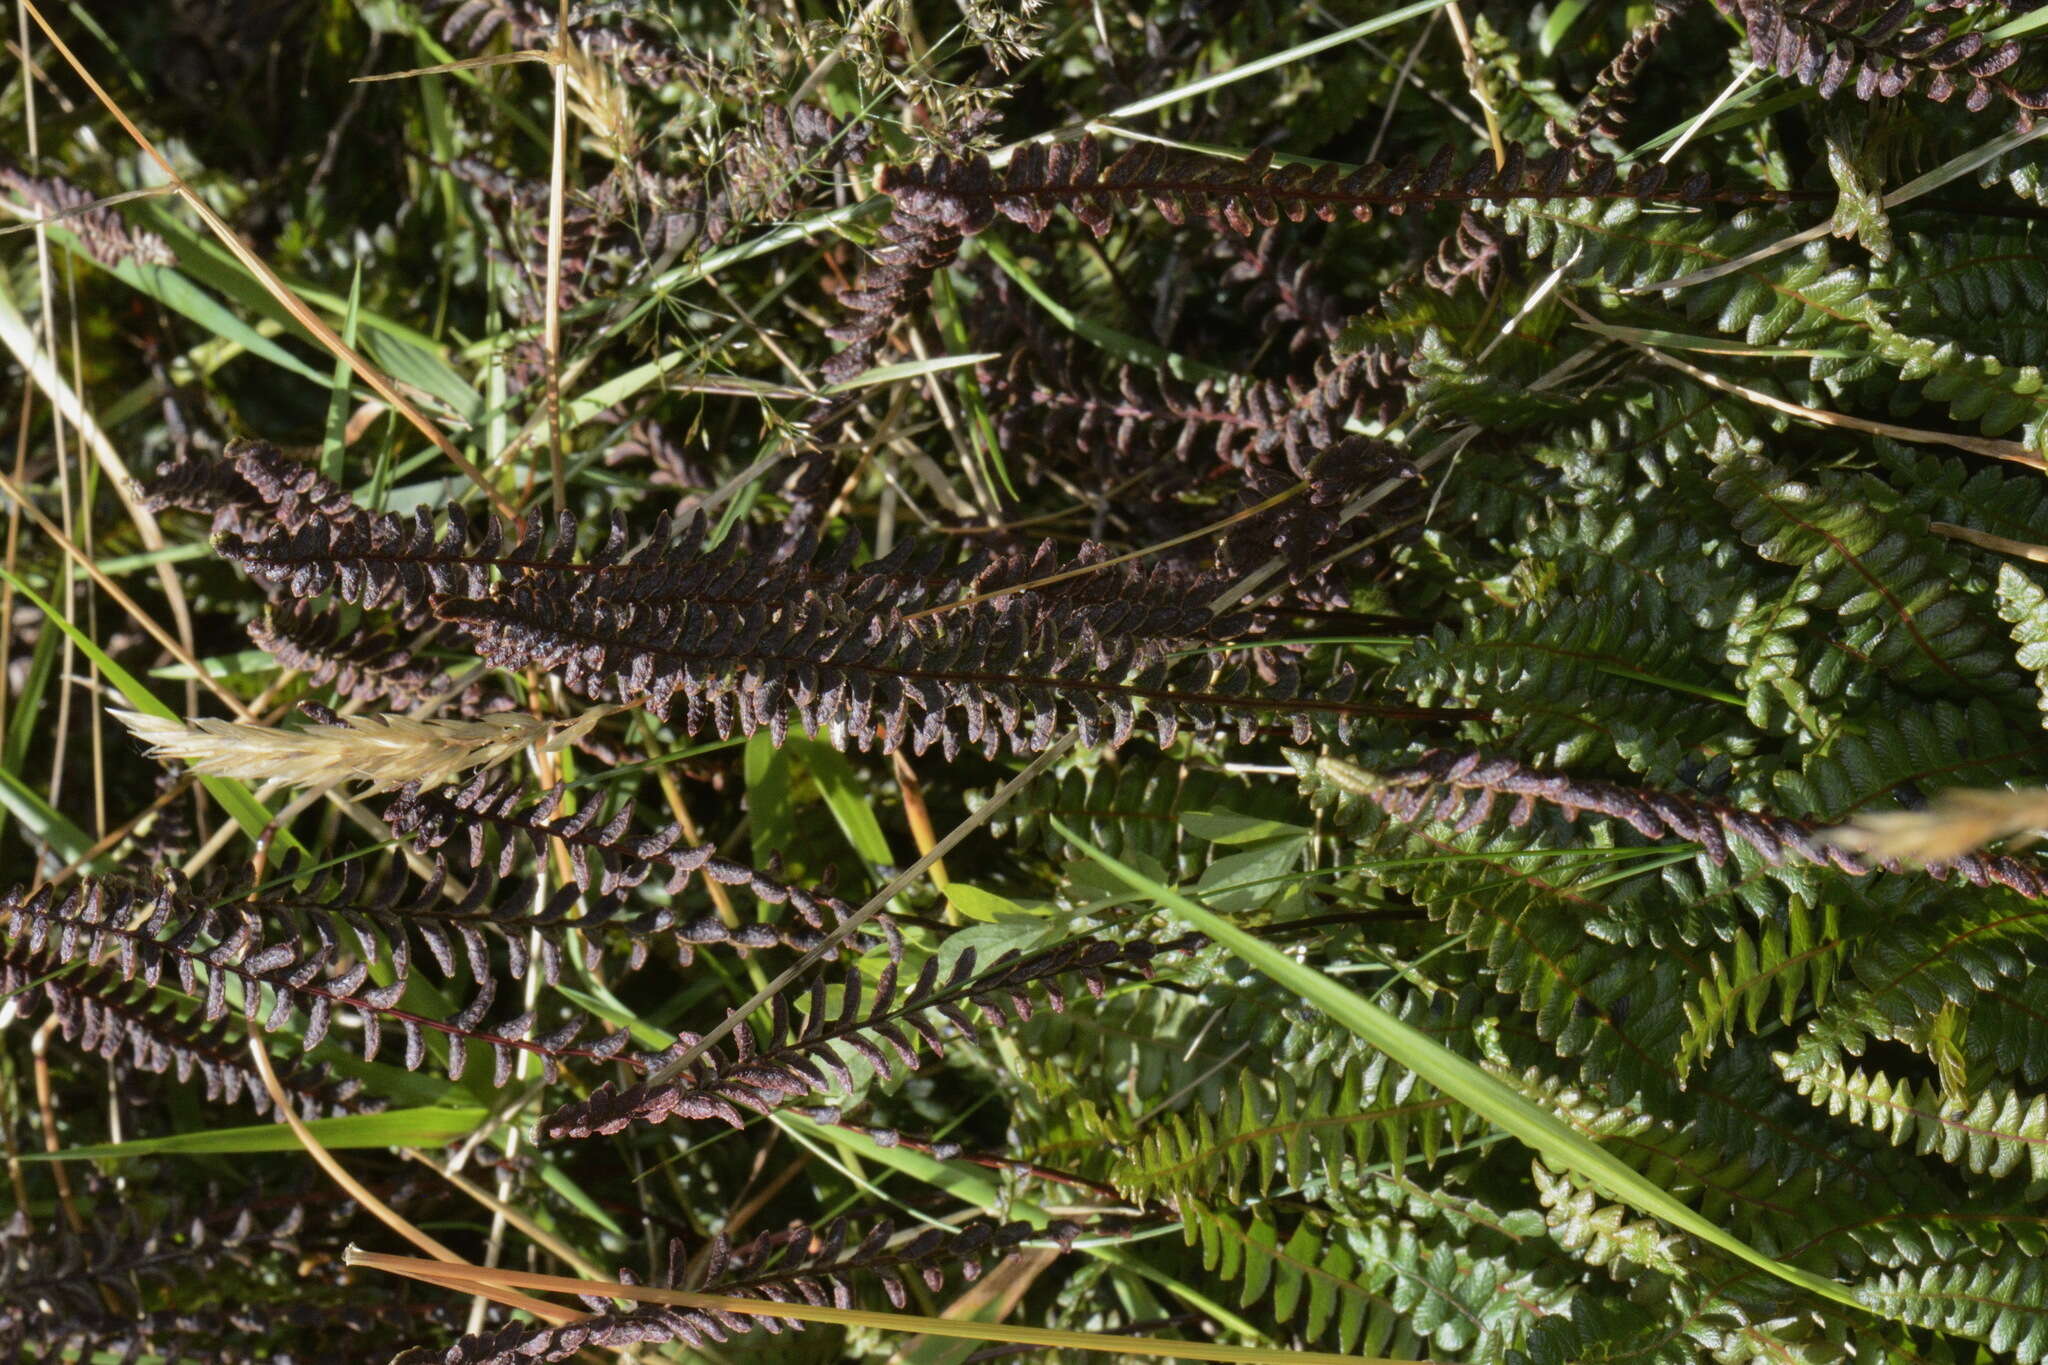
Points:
(1997, 1300)
(1918, 748)
(1376, 1289)
(1969, 276)
(1894, 587)
(1278, 1131)
(1992, 1131)
(2024, 605)
(1795, 961)
(1604, 1236)
(1134, 806)
(1577, 679)
(1998, 395)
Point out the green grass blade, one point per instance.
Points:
(252, 815)
(334, 444)
(1548, 1136)
(40, 820)
(425, 1127)
(909, 369)
(1277, 59)
(843, 796)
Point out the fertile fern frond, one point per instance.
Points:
(213, 947)
(1604, 111)
(489, 824)
(131, 1024)
(970, 194)
(360, 665)
(792, 1060)
(1826, 43)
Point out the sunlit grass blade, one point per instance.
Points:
(1548, 1136)
(423, 1127)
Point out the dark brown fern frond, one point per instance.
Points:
(1603, 113)
(250, 488)
(1874, 48)
(1011, 672)
(795, 1060)
(968, 195)
(1465, 789)
(388, 562)
(102, 1287)
(1156, 435)
(131, 1025)
(606, 29)
(1288, 294)
(760, 169)
(107, 236)
(166, 931)
(360, 664)
(1476, 250)
(1309, 527)
(489, 824)
(919, 240)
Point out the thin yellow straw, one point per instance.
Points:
(1155, 1347)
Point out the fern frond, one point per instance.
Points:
(1604, 1236)
(1795, 961)
(799, 1264)
(361, 665)
(1895, 587)
(1826, 43)
(213, 949)
(488, 824)
(1994, 1130)
(1374, 1290)
(1994, 1299)
(1041, 177)
(1290, 1126)
(790, 1061)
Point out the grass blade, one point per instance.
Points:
(1543, 1132)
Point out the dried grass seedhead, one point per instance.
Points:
(385, 751)
(1955, 823)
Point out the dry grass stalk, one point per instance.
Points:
(385, 751)
(1955, 823)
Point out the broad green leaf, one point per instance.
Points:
(1228, 827)
(1249, 880)
(985, 906)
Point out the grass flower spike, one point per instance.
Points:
(388, 752)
